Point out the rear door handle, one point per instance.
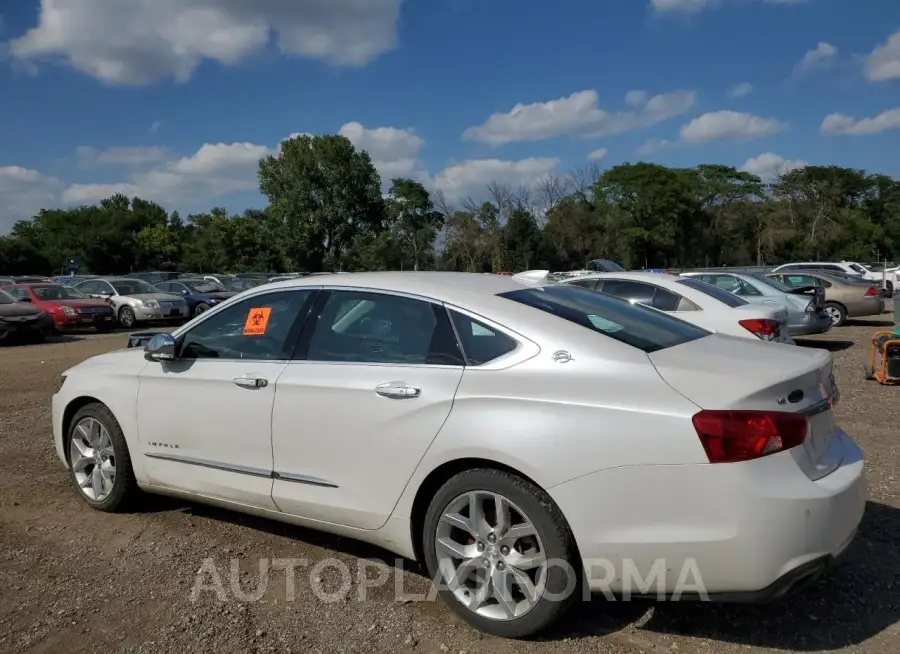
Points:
(251, 382)
(398, 391)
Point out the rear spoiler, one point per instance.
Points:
(535, 277)
(140, 339)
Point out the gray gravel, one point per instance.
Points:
(77, 580)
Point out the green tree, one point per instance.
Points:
(322, 193)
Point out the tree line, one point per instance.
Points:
(326, 211)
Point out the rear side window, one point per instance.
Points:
(646, 329)
(665, 300)
(629, 290)
(584, 283)
(721, 295)
(481, 344)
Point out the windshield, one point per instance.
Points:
(858, 268)
(713, 291)
(203, 286)
(778, 286)
(133, 287)
(237, 284)
(57, 292)
(641, 327)
(6, 298)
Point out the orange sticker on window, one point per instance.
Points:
(257, 321)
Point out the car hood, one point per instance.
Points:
(123, 362)
(18, 309)
(78, 303)
(143, 297)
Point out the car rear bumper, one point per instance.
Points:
(811, 323)
(724, 531)
(873, 306)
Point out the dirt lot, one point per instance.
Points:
(72, 579)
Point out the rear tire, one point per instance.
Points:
(837, 312)
(95, 445)
(492, 552)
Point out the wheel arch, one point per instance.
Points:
(71, 409)
(437, 478)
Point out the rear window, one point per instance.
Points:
(768, 281)
(641, 327)
(720, 294)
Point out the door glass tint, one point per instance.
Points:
(590, 284)
(255, 329)
(713, 291)
(361, 327)
(480, 343)
(665, 300)
(635, 292)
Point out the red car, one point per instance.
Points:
(68, 307)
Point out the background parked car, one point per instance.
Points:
(134, 300)
(22, 320)
(235, 283)
(68, 307)
(200, 294)
(805, 310)
(692, 301)
(31, 279)
(71, 280)
(845, 296)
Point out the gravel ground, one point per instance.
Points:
(76, 580)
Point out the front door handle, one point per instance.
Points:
(251, 382)
(398, 391)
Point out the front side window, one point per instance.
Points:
(6, 298)
(641, 327)
(259, 328)
(18, 292)
(365, 327)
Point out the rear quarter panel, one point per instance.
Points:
(554, 422)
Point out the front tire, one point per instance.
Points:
(837, 313)
(201, 308)
(99, 461)
(126, 317)
(501, 553)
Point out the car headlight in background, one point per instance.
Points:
(69, 311)
(153, 304)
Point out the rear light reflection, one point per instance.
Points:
(764, 328)
(732, 436)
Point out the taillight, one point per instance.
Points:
(765, 328)
(731, 436)
(872, 292)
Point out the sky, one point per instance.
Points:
(176, 100)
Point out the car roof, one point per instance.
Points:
(635, 276)
(447, 286)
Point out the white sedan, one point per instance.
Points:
(518, 440)
(694, 301)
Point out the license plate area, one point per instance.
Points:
(174, 312)
(821, 432)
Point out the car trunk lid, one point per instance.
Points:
(721, 372)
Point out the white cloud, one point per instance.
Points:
(393, 151)
(849, 125)
(120, 156)
(693, 6)
(654, 145)
(597, 155)
(729, 125)
(883, 63)
(741, 90)
(24, 192)
(769, 165)
(819, 57)
(141, 41)
(214, 170)
(470, 178)
(578, 115)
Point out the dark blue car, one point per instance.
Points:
(200, 294)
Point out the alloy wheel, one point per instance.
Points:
(834, 313)
(93, 459)
(490, 555)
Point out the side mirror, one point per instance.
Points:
(184, 291)
(25, 299)
(160, 348)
